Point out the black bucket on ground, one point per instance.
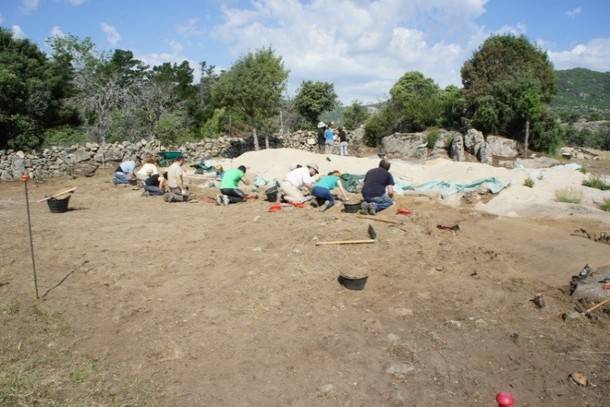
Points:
(353, 283)
(272, 194)
(58, 205)
(351, 207)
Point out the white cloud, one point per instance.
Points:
(594, 54)
(190, 28)
(519, 29)
(57, 32)
(175, 55)
(574, 12)
(112, 35)
(363, 47)
(29, 5)
(18, 32)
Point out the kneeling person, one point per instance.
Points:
(229, 186)
(377, 190)
(322, 190)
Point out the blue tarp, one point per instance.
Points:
(447, 188)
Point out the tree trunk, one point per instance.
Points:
(255, 137)
(527, 136)
(266, 141)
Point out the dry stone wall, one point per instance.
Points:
(83, 160)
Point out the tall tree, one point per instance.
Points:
(31, 92)
(355, 115)
(417, 102)
(314, 98)
(506, 83)
(253, 87)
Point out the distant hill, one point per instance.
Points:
(336, 116)
(583, 92)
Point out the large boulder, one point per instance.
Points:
(502, 147)
(473, 140)
(405, 145)
(80, 155)
(457, 148)
(484, 155)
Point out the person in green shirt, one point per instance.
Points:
(322, 188)
(230, 193)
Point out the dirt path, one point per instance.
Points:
(193, 304)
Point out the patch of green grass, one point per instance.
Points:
(432, 136)
(15, 389)
(597, 183)
(583, 170)
(81, 373)
(10, 309)
(569, 195)
(529, 182)
(605, 206)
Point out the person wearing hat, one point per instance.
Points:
(321, 138)
(296, 180)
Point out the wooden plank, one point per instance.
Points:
(375, 218)
(67, 191)
(332, 242)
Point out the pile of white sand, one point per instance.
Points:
(515, 200)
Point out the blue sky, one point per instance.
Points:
(362, 46)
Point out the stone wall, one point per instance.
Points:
(83, 160)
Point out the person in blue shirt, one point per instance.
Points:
(329, 138)
(124, 172)
(322, 190)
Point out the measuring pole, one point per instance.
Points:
(25, 177)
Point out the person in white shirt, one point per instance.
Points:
(297, 179)
(147, 170)
(175, 176)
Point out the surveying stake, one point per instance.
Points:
(25, 178)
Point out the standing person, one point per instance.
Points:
(329, 137)
(230, 193)
(175, 176)
(124, 172)
(148, 169)
(377, 190)
(296, 180)
(321, 191)
(321, 138)
(342, 142)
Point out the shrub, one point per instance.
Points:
(171, 130)
(377, 127)
(64, 136)
(432, 136)
(568, 195)
(529, 182)
(605, 206)
(216, 125)
(597, 183)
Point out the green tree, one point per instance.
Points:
(32, 88)
(355, 115)
(417, 102)
(314, 98)
(253, 87)
(507, 82)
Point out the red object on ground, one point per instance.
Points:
(25, 177)
(275, 208)
(505, 399)
(403, 211)
(298, 204)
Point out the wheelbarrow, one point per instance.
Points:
(166, 158)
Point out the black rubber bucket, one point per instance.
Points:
(353, 283)
(272, 194)
(351, 207)
(58, 205)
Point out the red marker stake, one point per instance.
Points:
(505, 399)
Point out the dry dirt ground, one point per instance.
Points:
(196, 305)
